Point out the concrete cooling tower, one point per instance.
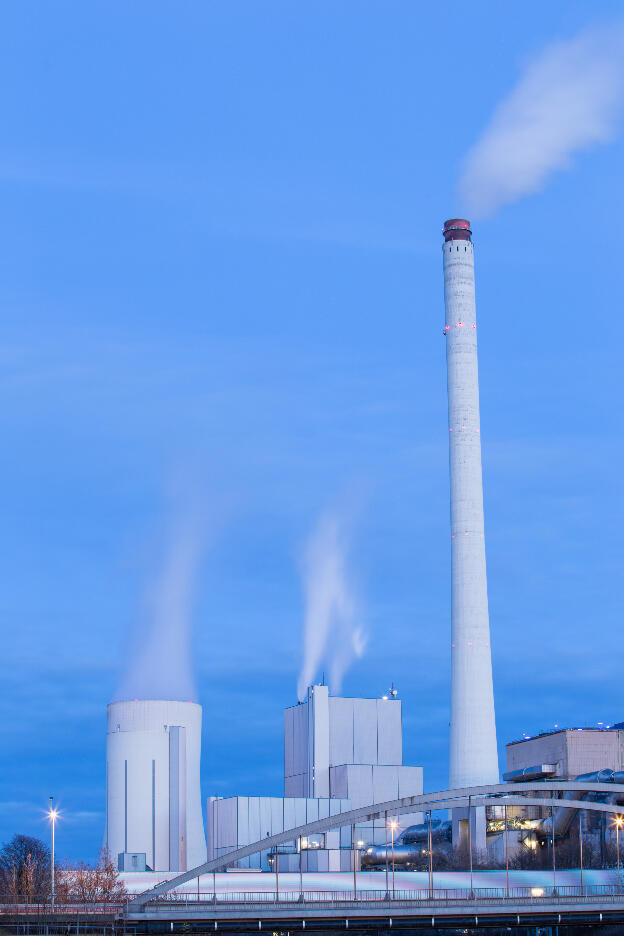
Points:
(153, 798)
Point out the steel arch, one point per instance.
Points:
(499, 794)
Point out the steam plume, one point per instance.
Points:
(160, 663)
(330, 632)
(567, 100)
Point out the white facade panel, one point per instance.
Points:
(410, 782)
(385, 784)
(340, 731)
(264, 804)
(290, 813)
(358, 783)
(277, 813)
(296, 751)
(389, 732)
(365, 743)
(289, 741)
(301, 811)
(333, 859)
(318, 709)
(338, 781)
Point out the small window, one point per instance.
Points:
(309, 842)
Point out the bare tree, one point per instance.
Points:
(25, 868)
(91, 884)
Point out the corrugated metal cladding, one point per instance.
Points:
(325, 732)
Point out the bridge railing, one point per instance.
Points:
(39, 905)
(421, 895)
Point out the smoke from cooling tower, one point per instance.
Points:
(331, 635)
(160, 661)
(568, 99)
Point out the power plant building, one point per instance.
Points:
(339, 753)
(346, 748)
(344, 753)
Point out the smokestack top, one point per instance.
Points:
(457, 229)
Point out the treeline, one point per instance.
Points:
(25, 872)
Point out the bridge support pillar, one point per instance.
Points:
(469, 829)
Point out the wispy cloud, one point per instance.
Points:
(568, 99)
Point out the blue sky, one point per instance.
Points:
(221, 274)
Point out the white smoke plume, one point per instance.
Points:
(568, 99)
(159, 664)
(330, 632)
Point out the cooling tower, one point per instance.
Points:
(153, 797)
(473, 754)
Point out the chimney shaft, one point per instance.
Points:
(473, 753)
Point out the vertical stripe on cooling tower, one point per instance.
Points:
(174, 799)
(153, 815)
(125, 805)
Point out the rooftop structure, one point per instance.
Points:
(566, 753)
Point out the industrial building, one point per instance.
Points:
(565, 753)
(339, 753)
(590, 754)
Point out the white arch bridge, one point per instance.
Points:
(603, 902)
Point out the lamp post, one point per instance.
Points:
(52, 816)
(470, 843)
(386, 849)
(506, 853)
(554, 862)
(581, 846)
(393, 825)
(619, 821)
(430, 843)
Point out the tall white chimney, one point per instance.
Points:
(473, 756)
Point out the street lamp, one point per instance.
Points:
(393, 825)
(619, 822)
(52, 816)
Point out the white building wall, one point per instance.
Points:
(153, 797)
(239, 820)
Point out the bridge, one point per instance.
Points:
(538, 793)
(365, 912)
(295, 909)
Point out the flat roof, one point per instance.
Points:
(545, 734)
